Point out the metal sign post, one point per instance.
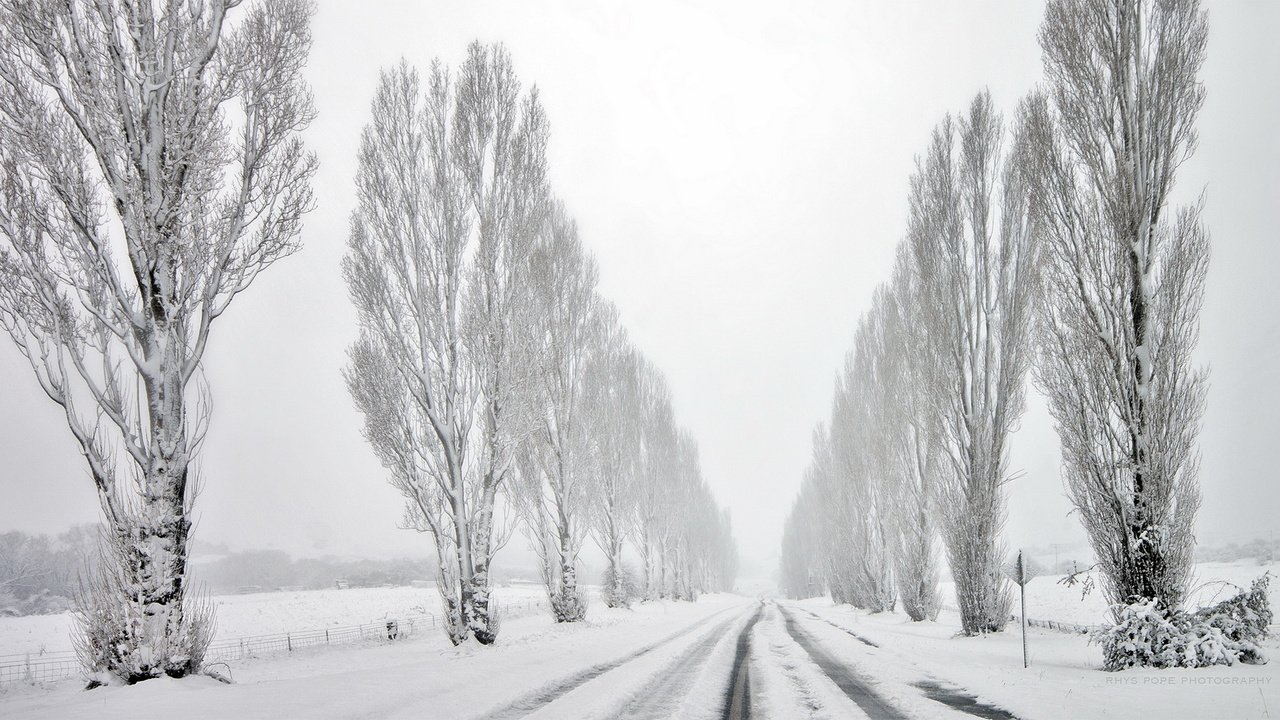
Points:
(1022, 588)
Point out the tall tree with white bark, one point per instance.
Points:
(613, 388)
(570, 323)
(451, 188)
(860, 465)
(502, 155)
(975, 252)
(658, 440)
(151, 167)
(1125, 279)
(913, 452)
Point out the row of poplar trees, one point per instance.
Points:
(1049, 247)
(497, 386)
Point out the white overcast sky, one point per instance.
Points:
(740, 172)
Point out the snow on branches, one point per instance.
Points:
(1124, 282)
(152, 167)
(496, 383)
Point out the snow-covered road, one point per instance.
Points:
(725, 656)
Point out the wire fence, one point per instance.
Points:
(1064, 627)
(42, 667)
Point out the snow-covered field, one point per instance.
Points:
(724, 656)
(426, 678)
(267, 613)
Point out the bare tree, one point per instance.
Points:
(502, 156)
(571, 322)
(152, 168)
(658, 440)
(1124, 280)
(802, 563)
(450, 185)
(913, 453)
(860, 466)
(975, 253)
(613, 387)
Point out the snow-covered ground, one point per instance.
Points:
(535, 665)
(725, 653)
(267, 613)
(1063, 681)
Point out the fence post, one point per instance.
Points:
(288, 641)
(326, 636)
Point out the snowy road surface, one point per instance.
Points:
(725, 656)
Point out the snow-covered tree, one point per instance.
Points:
(501, 153)
(151, 167)
(975, 255)
(860, 467)
(684, 538)
(1125, 278)
(658, 441)
(570, 323)
(613, 389)
(451, 188)
(914, 455)
(820, 543)
(830, 511)
(802, 572)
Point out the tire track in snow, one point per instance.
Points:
(953, 696)
(850, 683)
(841, 628)
(663, 694)
(737, 701)
(547, 695)
(962, 701)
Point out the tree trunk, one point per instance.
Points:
(481, 621)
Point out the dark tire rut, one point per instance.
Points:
(549, 694)
(737, 701)
(663, 694)
(857, 688)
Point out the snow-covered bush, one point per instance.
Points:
(1242, 619)
(619, 591)
(1148, 635)
(569, 605)
(116, 643)
(495, 617)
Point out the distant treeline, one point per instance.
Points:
(39, 574)
(1258, 549)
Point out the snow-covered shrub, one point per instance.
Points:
(621, 589)
(495, 618)
(569, 605)
(116, 642)
(1242, 619)
(451, 621)
(1148, 635)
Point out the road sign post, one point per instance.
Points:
(1022, 589)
